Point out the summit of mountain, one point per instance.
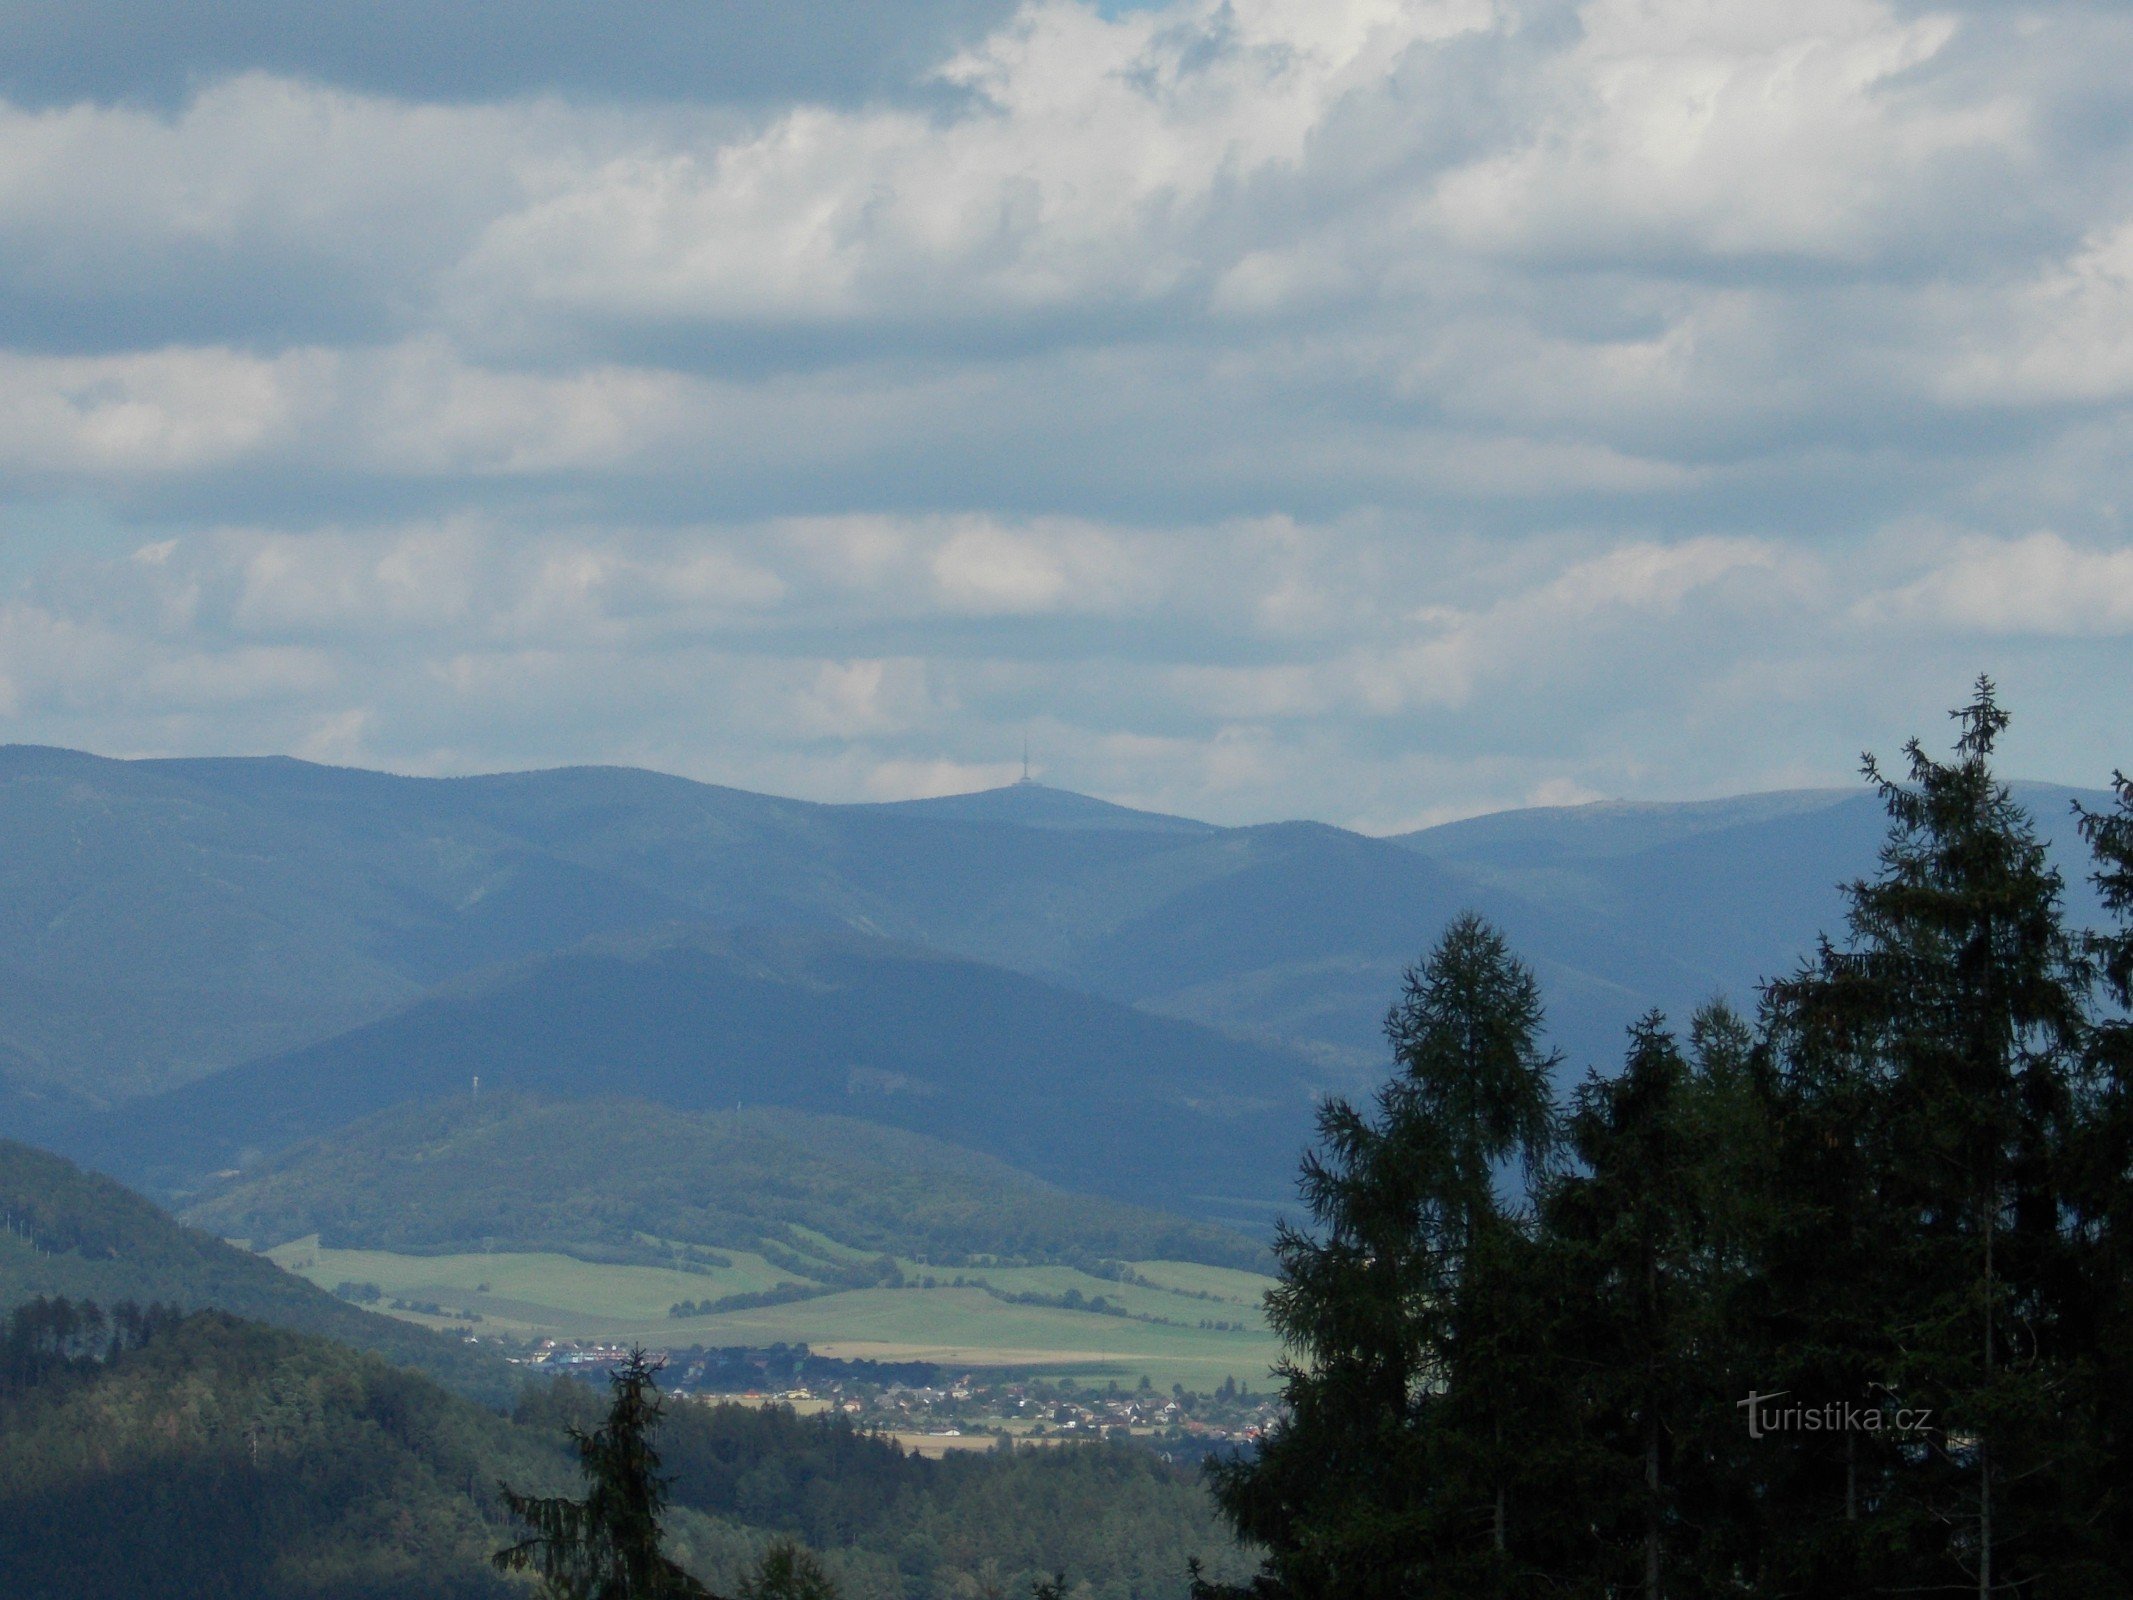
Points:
(1031, 804)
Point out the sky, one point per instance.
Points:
(1357, 409)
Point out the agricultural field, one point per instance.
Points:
(1210, 1328)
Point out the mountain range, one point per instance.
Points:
(202, 961)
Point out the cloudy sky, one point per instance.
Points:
(1361, 409)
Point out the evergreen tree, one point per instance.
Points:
(787, 1572)
(2100, 1186)
(606, 1546)
(1637, 1252)
(1393, 1474)
(1942, 1045)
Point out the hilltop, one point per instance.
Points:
(625, 1181)
(1081, 1091)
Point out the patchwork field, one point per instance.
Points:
(1210, 1325)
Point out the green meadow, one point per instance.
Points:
(523, 1295)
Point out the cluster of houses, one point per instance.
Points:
(973, 1405)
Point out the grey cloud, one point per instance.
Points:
(157, 52)
(1369, 673)
(1368, 410)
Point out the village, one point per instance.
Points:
(932, 1411)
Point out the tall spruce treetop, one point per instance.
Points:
(1625, 1226)
(1950, 1031)
(1465, 1035)
(606, 1546)
(1354, 1494)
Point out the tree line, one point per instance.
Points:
(1833, 1300)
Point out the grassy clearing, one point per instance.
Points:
(533, 1295)
(1190, 1278)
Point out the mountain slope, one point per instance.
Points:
(1729, 891)
(622, 1180)
(1080, 1091)
(226, 1458)
(162, 920)
(67, 1232)
(220, 1458)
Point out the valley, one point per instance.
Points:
(1171, 1322)
(939, 1148)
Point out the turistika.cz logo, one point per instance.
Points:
(1766, 1416)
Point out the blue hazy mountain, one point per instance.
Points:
(1708, 897)
(164, 921)
(1084, 1092)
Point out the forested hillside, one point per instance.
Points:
(223, 1457)
(145, 1458)
(613, 1180)
(78, 1234)
(1084, 1092)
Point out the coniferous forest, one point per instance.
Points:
(160, 1454)
(1833, 1300)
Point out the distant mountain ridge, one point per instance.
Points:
(1029, 804)
(162, 921)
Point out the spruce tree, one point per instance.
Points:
(787, 1572)
(1392, 1473)
(1943, 1045)
(606, 1545)
(2100, 1187)
(1630, 1232)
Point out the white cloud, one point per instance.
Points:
(984, 567)
(2065, 336)
(2040, 584)
(1381, 408)
(156, 411)
(1579, 615)
(1726, 130)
